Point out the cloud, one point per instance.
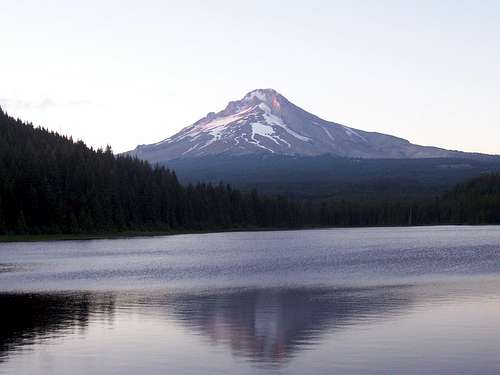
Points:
(44, 103)
(16, 103)
(79, 103)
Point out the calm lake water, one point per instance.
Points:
(385, 300)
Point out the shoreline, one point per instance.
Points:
(12, 238)
(17, 238)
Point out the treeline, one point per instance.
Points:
(51, 184)
(476, 201)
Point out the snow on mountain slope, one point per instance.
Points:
(264, 121)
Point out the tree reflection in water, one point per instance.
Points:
(30, 318)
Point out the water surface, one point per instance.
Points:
(385, 300)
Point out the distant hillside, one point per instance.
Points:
(329, 177)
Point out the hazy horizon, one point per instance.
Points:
(125, 74)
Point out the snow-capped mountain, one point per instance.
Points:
(264, 121)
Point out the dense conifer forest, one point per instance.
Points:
(52, 184)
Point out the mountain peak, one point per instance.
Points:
(261, 94)
(273, 99)
(264, 121)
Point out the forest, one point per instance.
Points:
(51, 184)
(330, 177)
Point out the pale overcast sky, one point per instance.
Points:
(130, 72)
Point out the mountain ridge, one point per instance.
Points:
(264, 121)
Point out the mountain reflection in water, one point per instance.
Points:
(266, 326)
(270, 326)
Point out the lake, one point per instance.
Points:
(344, 301)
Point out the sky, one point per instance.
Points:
(125, 73)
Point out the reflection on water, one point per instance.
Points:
(254, 330)
(264, 326)
(385, 301)
(29, 318)
(270, 326)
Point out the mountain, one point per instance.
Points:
(265, 122)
